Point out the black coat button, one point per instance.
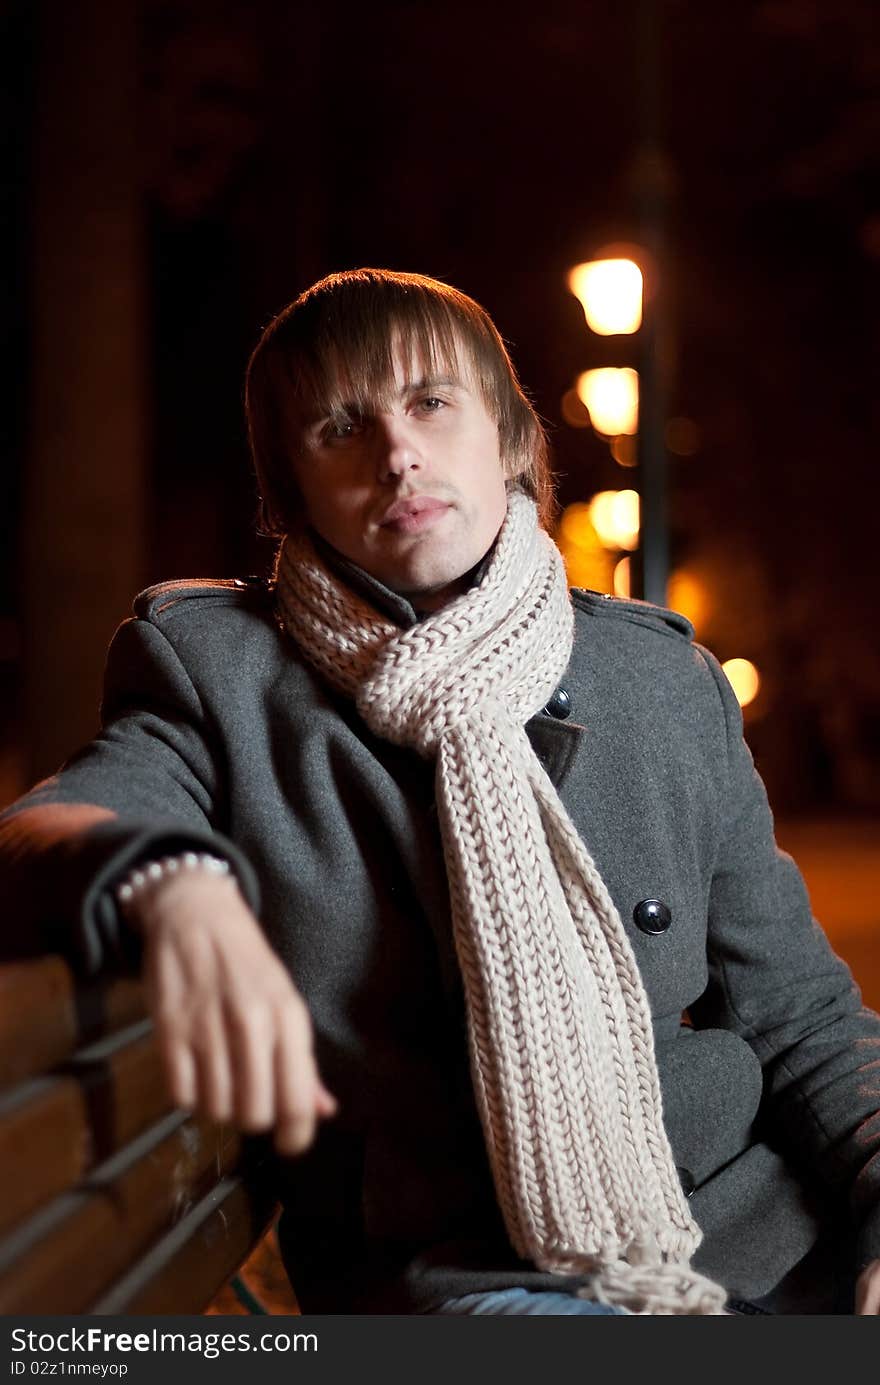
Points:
(559, 705)
(686, 1179)
(652, 916)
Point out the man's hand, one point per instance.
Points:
(868, 1289)
(234, 1032)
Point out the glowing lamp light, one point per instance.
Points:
(688, 595)
(611, 395)
(587, 563)
(622, 584)
(743, 678)
(573, 410)
(624, 449)
(576, 527)
(615, 518)
(610, 293)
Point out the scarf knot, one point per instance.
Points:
(425, 720)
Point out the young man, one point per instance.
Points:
(482, 914)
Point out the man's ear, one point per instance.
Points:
(513, 470)
(510, 466)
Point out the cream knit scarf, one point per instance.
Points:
(559, 1026)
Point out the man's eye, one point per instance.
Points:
(432, 404)
(338, 429)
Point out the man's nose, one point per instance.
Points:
(396, 447)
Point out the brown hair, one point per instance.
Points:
(333, 345)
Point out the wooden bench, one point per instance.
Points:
(111, 1201)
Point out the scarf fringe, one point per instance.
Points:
(666, 1290)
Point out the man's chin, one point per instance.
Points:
(430, 590)
(422, 585)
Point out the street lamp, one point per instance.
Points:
(744, 678)
(615, 517)
(611, 397)
(626, 402)
(610, 293)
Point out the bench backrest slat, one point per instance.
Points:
(179, 1274)
(71, 1251)
(100, 1177)
(45, 1015)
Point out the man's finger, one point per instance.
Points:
(296, 1082)
(213, 1067)
(327, 1103)
(167, 992)
(180, 1071)
(251, 1036)
(868, 1290)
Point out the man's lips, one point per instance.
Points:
(411, 516)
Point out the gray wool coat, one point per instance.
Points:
(215, 732)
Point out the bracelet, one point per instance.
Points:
(152, 872)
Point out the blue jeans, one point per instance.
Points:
(522, 1302)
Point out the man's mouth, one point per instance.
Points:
(413, 515)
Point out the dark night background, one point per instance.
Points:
(493, 146)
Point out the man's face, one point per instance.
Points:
(412, 490)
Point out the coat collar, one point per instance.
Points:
(389, 602)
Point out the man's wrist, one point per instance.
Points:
(140, 885)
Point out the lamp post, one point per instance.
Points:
(652, 181)
(622, 294)
(624, 401)
(650, 569)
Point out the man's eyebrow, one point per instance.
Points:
(353, 408)
(427, 382)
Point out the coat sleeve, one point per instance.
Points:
(156, 769)
(774, 979)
